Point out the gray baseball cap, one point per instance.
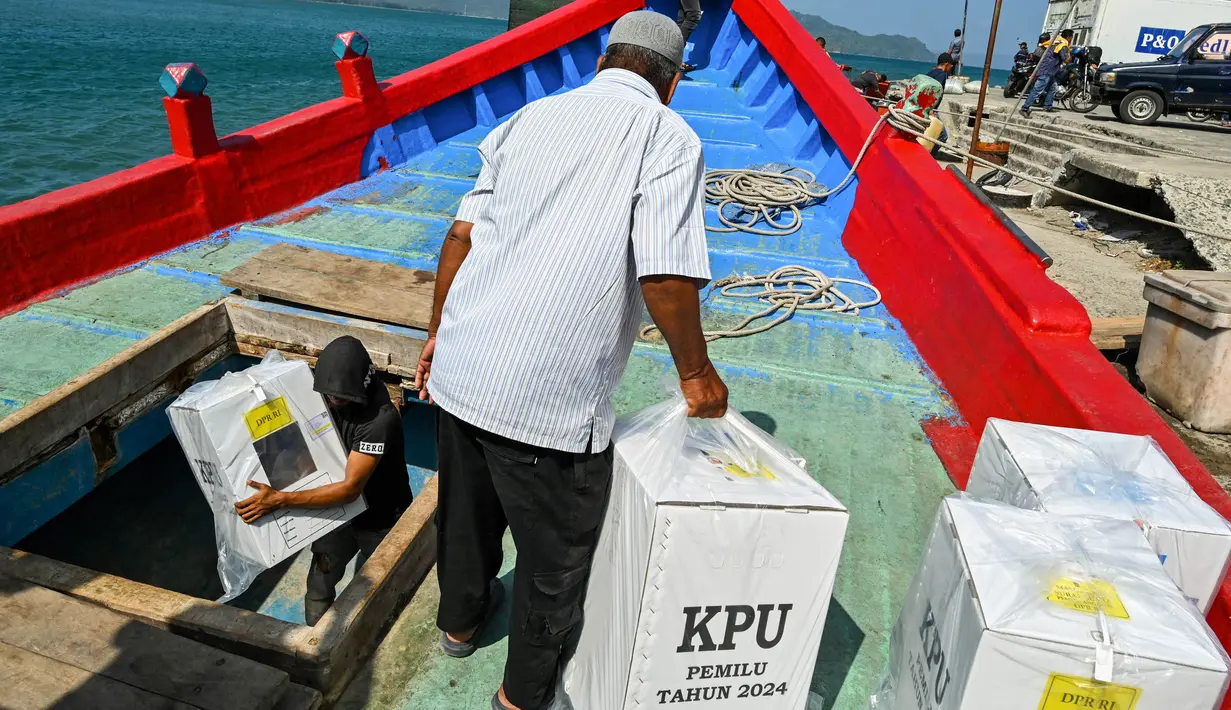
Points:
(651, 30)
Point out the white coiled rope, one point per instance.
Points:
(765, 194)
(790, 289)
(762, 194)
(785, 291)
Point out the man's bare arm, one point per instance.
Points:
(675, 306)
(452, 254)
(359, 468)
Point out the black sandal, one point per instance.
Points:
(463, 649)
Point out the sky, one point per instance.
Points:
(934, 21)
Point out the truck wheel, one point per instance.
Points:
(1115, 110)
(1141, 107)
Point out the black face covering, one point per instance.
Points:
(344, 371)
(340, 406)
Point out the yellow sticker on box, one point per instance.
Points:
(723, 462)
(1088, 595)
(1066, 692)
(268, 418)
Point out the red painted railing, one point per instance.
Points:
(1003, 338)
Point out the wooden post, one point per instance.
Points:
(358, 79)
(355, 67)
(190, 115)
(987, 72)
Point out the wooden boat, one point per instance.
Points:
(113, 302)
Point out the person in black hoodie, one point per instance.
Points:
(371, 430)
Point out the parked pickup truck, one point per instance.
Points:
(1195, 76)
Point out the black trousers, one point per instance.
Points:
(554, 503)
(689, 17)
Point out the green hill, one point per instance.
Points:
(847, 41)
(840, 39)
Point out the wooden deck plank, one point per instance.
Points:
(34, 682)
(302, 333)
(1117, 333)
(300, 697)
(337, 283)
(102, 643)
(49, 419)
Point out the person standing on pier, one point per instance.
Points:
(587, 204)
(1056, 56)
(956, 47)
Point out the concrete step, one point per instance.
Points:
(1058, 143)
(1031, 160)
(1037, 155)
(1058, 128)
(1030, 167)
(1104, 133)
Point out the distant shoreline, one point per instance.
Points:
(378, 5)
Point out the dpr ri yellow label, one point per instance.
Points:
(1066, 692)
(268, 418)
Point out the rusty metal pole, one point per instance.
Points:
(987, 73)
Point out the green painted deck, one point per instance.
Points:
(849, 393)
(867, 449)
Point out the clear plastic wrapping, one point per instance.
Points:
(1080, 472)
(665, 443)
(1024, 610)
(264, 424)
(715, 533)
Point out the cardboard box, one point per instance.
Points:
(1080, 472)
(264, 424)
(712, 578)
(1022, 610)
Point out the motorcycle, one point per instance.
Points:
(1077, 86)
(1019, 75)
(1082, 95)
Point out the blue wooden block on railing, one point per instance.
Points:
(348, 45)
(183, 80)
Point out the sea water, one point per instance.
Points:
(79, 94)
(904, 69)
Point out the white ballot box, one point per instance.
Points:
(1017, 609)
(264, 424)
(713, 572)
(1080, 472)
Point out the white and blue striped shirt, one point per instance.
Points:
(580, 195)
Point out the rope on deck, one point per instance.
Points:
(789, 289)
(786, 290)
(765, 194)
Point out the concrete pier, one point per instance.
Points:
(1180, 168)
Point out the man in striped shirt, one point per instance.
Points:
(587, 204)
